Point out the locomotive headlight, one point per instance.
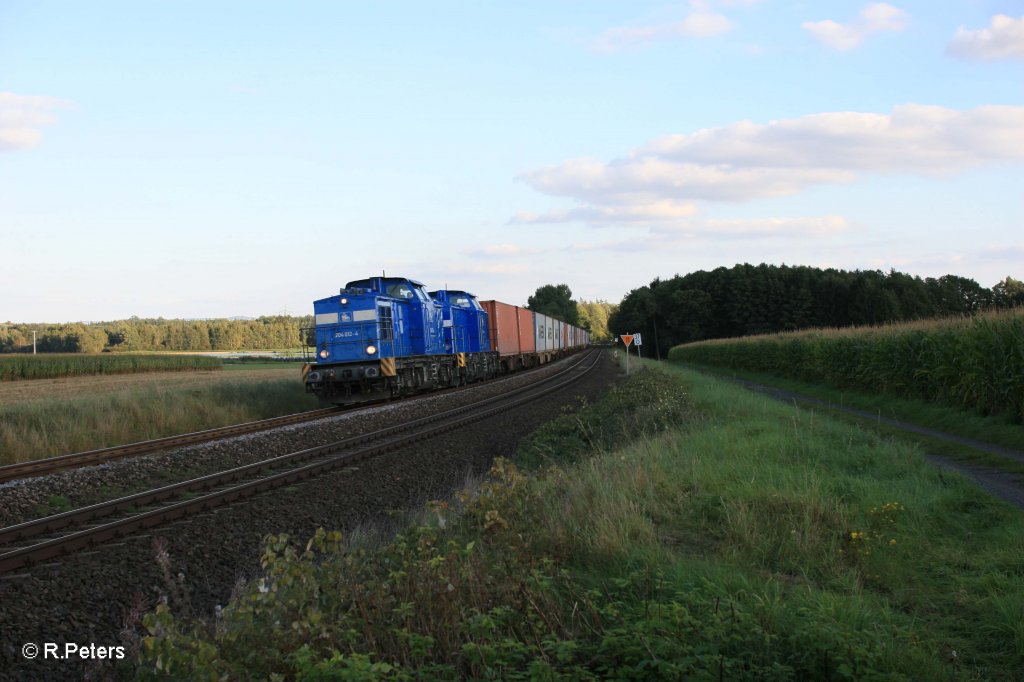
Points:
(323, 353)
(344, 301)
(370, 350)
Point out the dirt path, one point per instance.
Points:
(1005, 486)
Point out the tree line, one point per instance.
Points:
(277, 331)
(748, 299)
(556, 301)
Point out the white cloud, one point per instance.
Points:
(684, 233)
(650, 180)
(663, 181)
(1013, 254)
(502, 251)
(1003, 39)
(991, 259)
(702, 22)
(873, 19)
(913, 138)
(22, 116)
(811, 226)
(665, 210)
(486, 269)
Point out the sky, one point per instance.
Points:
(213, 159)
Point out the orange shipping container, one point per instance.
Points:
(527, 343)
(510, 327)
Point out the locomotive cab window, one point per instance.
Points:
(402, 290)
(387, 326)
(462, 302)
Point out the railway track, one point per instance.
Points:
(42, 467)
(44, 539)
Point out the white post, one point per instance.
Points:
(33, 342)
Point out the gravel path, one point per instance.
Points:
(86, 598)
(1006, 486)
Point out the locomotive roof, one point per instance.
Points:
(385, 279)
(454, 291)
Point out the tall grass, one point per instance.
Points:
(752, 541)
(56, 365)
(974, 364)
(834, 539)
(43, 428)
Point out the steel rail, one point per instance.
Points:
(388, 439)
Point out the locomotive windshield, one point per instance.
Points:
(395, 287)
(400, 290)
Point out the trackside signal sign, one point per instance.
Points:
(627, 339)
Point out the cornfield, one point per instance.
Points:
(49, 366)
(973, 363)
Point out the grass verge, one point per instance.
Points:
(997, 430)
(43, 428)
(681, 528)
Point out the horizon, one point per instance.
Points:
(206, 162)
(247, 318)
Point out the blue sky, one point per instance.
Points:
(197, 159)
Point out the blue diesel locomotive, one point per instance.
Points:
(384, 337)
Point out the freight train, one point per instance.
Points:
(385, 337)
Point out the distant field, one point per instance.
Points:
(56, 416)
(970, 363)
(18, 367)
(12, 392)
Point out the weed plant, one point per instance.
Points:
(749, 541)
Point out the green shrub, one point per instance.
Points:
(647, 404)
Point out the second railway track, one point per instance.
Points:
(162, 505)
